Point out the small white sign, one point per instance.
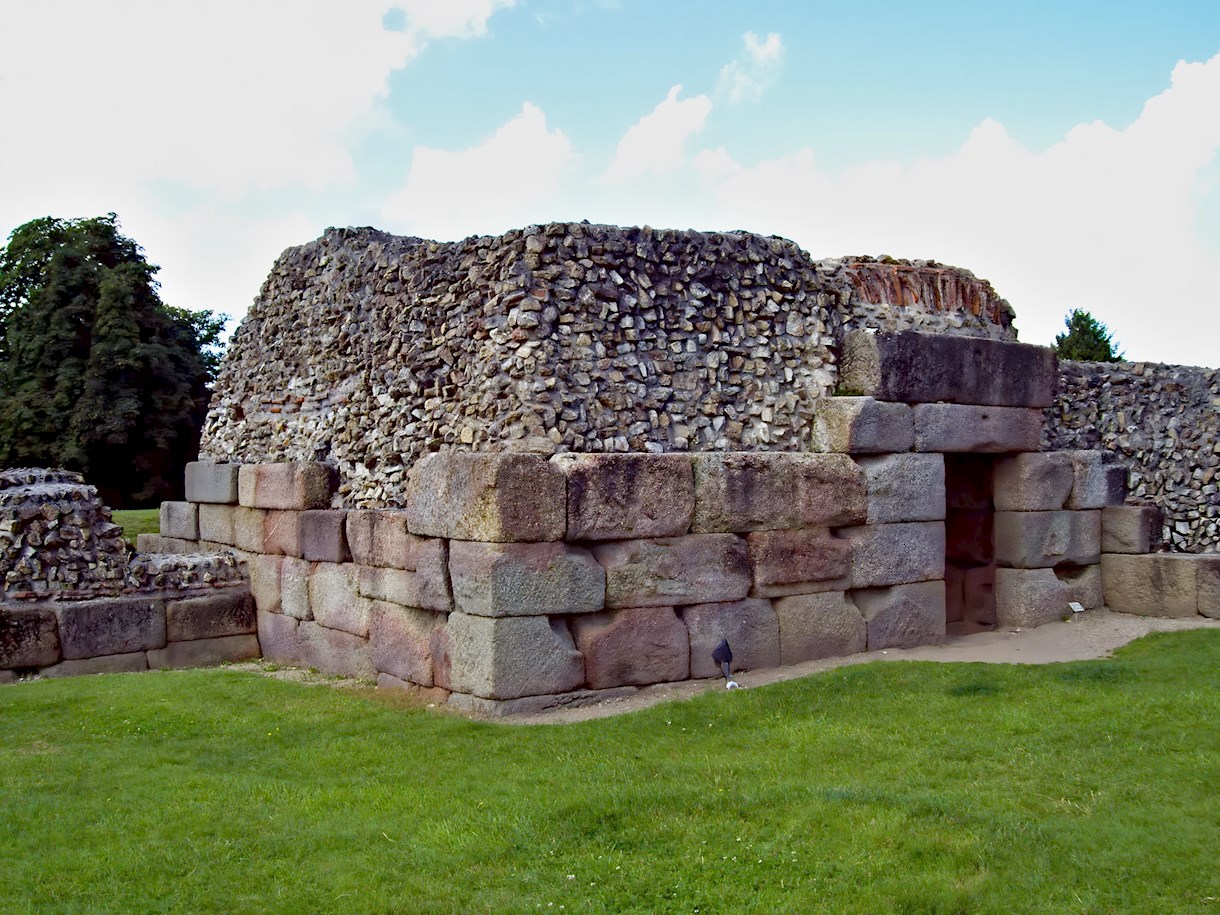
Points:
(1076, 607)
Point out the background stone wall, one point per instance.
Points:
(1163, 421)
(367, 350)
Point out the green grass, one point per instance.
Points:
(136, 521)
(898, 787)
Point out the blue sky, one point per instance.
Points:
(1065, 151)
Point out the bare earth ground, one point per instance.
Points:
(1090, 635)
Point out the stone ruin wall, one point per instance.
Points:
(367, 350)
(1163, 421)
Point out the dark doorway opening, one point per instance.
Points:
(969, 544)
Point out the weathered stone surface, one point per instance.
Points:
(216, 524)
(926, 368)
(509, 657)
(750, 626)
(903, 616)
(207, 482)
(894, 554)
(265, 582)
(204, 652)
(761, 491)
(863, 425)
(323, 537)
(1030, 597)
(400, 641)
(116, 625)
(798, 562)
(29, 637)
(619, 496)
(134, 662)
(282, 533)
(813, 626)
(500, 498)
(525, 579)
(904, 487)
(1153, 584)
(1092, 485)
(294, 588)
(533, 705)
(278, 638)
(222, 612)
(432, 695)
(670, 571)
(1207, 583)
(1130, 528)
(1034, 482)
(334, 652)
(180, 519)
(248, 529)
(335, 600)
(398, 586)
(380, 538)
(285, 485)
(153, 543)
(993, 430)
(1038, 540)
(639, 645)
(1085, 585)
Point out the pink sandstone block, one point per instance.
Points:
(635, 646)
(278, 639)
(400, 640)
(620, 496)
(671, 571)
(285, 486)
(334, 652)
(825, 625)
(282, 533)
(204, 652)
(750, 626)
(323, 538)
(798, 562)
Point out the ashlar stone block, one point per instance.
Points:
(903, 616)
(294, 588)
(222, 612)
(248, 529)
(204, 652)
(949, 427)
(214, 483)
(216, 524)
(380, 538)
(750, 626)
(812, 626)
(904, 487)
(400, 640)
(635, 646)
(323, 535)
(862, 425)
(278, 639)
(29, 637)
(1130, 528)
(286, 485)
(1033, 482)
(117, 625)
(180, 520)
(335, 600)
(282, 533)
(619, 496)
(1037, 540)
(1152, 584)
(499, 498)
(333, 651)
(758, 491)
(1207, 582)
(1092, 485)
(525, 579)
(671, 571)
(510, 656)
(798, 562)
(894, 554)
(133, 662)
(1030, 597)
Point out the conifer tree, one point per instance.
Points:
(1086, 340)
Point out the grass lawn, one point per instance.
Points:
(895, 787)
(137, 521)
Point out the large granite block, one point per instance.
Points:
(619, 496)
(116, 625)
(216, 524)
(334, 652)
(223, 612)
(282, 533)
(813, 626)
(335, 600)
(952, 427)
(134, 662)
(405, 588)
(204, 652)
(180, 520)
(286, 485)
(670, 571)
(1130, 528)
(862, 425)
(750, 626)
(1033, 482)
(278, 638)
(525, 579)
(1092, 485)
(29, 637)
(400, 640)
(380, 538)
(894, 554)
(798, 562)
(508, 657)
(294, 588)
(914, 367)
(635, 646)
(1040, 540)
(1152, 584)
(323, 537)
(1207, 583)
(1030, 597)
(760, 491)
(904, 487)
(215, 483)
(501, 498)
(903, 616)
(248, 529)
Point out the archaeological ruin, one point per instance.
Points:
(561, 464)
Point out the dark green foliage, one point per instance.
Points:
(96, 373)
(1086, 340)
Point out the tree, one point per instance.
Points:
(1086, 340)
(97, 374)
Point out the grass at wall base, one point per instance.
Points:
(917, 787)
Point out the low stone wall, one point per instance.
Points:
(1163, 422)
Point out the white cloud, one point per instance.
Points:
(653, 145)
(1104, 220)
(747, 77)
(510, 179)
